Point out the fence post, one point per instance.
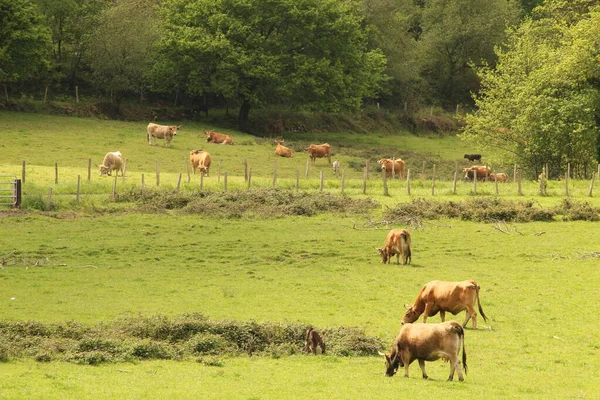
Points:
(321, 182)
(142, 181)
(157, 174)
(592, 184)
(245, 170)
(187, 169)
(423, 171)
(408, 181)
(249, 177)
(474, 181)
(385, 185)
(77, 94)
(17, 194)
(78, 184)
(307, 166)
(225, 181)
(124, 169)
(89, 169)
(365, 180)
(567, 179)
(433, 181)
(393, 167)
(274, 174)
(56, 173)
(343, 179)
(367, 170)
(454, 184)
(46, 95)
(178, 182)
(23, 173)
(520, 191)
(114, 191)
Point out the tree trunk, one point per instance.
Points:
(243, 116)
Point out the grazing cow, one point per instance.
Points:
(281, 150)
(215, 137)
(313, 339)
(112, 161)
(481, 172)
(386, 164)
(473, 157)
(500, 177)
(336, 167)
(397, 243)
(428, 343)
(441, 296)
(319, 151)
(201, 160)
(161, 132)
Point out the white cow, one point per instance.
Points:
(112, 161)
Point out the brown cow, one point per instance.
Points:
(215, 137)
(386, 164)
(397, 243)
(313, 339)
(161, 132)
(319, 151)
(428, 343)
(500, 177)
(201, 160)
(482, 172)
(112, 161)
(441, 296)
(281, 150)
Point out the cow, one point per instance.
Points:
(481, 172)
(473, 157)
(428, 343)
(386, 164)
(441, 296)
(200, 159)
(313, 339)
(319, 151)
(500, 177)
(162, 132)
(397, 243)
(281, 150)
(112, 161)
(215, 137)
(336, 167)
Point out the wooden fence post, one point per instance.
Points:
(385, 185)
(474, 181)
(114, 191)
(343, 179)
(225, 181)
(321, 182)
(178, 182)
(56, 173)
(423, 171)
(78, 185)
(408, 181)
(157, 174)
(393, 167)
(124, 169)
(46, 95)
(307, 167)
(433, 181)
(365, 180)
(23, 173)
(567, 179)
(77, 94)
(142, 181)
(187, 169)
(454, 184)
(274, 174)
(592, 184)
(245, 169)
(367, 167)
(520, 191)
(89, 169)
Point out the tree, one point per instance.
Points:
(120, 47)
(24, 41)
(541, 104)
(305, 53)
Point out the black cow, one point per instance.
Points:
(473, 157)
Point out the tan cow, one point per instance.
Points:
(313, 340)
(215, 137)
(162, 132)
(112, 161)
(501, 177)
(201, 160)
(442, 296)
(281, 150)
(481, 172)
(319, 151)
(428, 342)
(386, 164)
(397, 243)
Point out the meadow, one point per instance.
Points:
(98, 260)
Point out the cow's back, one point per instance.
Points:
(426, 341)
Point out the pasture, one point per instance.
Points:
(98, 260)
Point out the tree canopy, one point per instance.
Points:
(306, 53)
(541, 104)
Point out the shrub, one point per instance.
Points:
(208, 343)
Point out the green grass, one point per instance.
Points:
(98, 260)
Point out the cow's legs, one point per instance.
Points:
(455, 366)
(397, 258)
(422, 365)
(443, 315)
(426, 312)
(471, 313)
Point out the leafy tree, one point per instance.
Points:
(541, 104)
(120, 47)
(306, 53)
(24, 41)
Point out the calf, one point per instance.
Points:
(500, 177)
(215, 137)
(398, 165)
(313, 340)
(441, 296)
(200, 160)
(281, 150)
(397, 243)
(161, 132)
(428, 343)
(481, 172)
(473, 157)
(112, 161)
(336, 167)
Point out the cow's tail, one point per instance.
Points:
(461, 335)
(479, 304)
(405, 244)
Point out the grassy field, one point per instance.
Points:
(538, 279)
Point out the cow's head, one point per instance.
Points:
(203, 169)
(391, 364)
(410, 316)
(383, 253)
(103, 169)
(173, 129)
(208, 135)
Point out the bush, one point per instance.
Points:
(577, 211)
